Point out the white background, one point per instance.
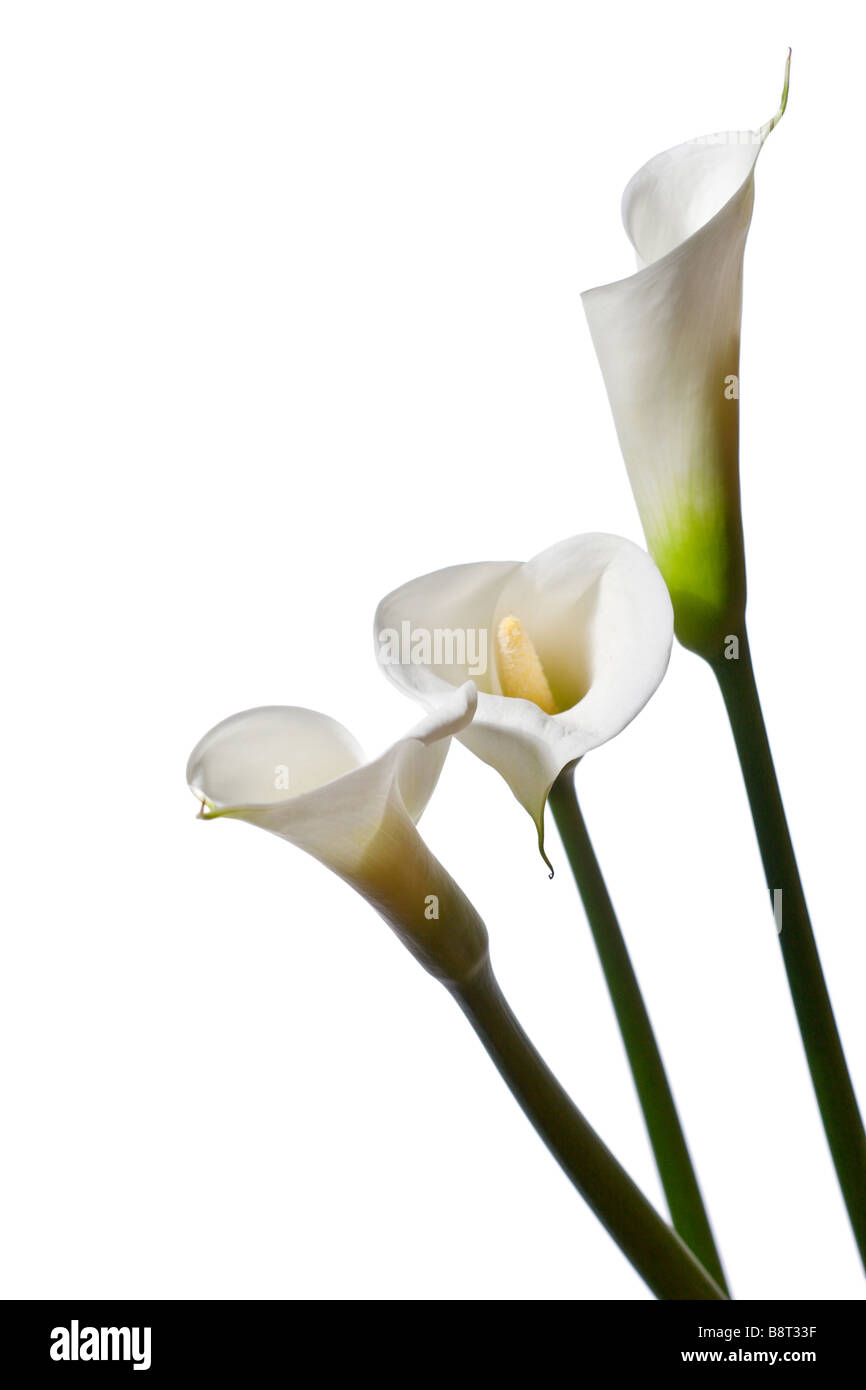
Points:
(290, 303)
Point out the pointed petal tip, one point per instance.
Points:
(771, 124)
(785, 86)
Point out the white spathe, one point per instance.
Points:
(668, 343)
(302, 776)
(599, 618)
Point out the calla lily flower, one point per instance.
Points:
(565, 650)
(668, 342)
(359, 818)
(302, 776)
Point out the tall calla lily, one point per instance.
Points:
(302, 776)
(668, 342)
(565, 650)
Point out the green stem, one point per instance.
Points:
(833, 1089)
(654, 1093)
(657, 1253)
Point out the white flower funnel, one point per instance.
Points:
(565, 650)
(302, 776)
(668, 342)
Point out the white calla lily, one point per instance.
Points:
(668, 342)
(359, 818)
(565, 650)
(302, 776)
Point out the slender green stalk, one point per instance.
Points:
(665, 1132)
(833, 1089)
(657, 1253)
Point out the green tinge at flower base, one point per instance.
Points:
(699, 552)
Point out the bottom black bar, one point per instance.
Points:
(240, 1342)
